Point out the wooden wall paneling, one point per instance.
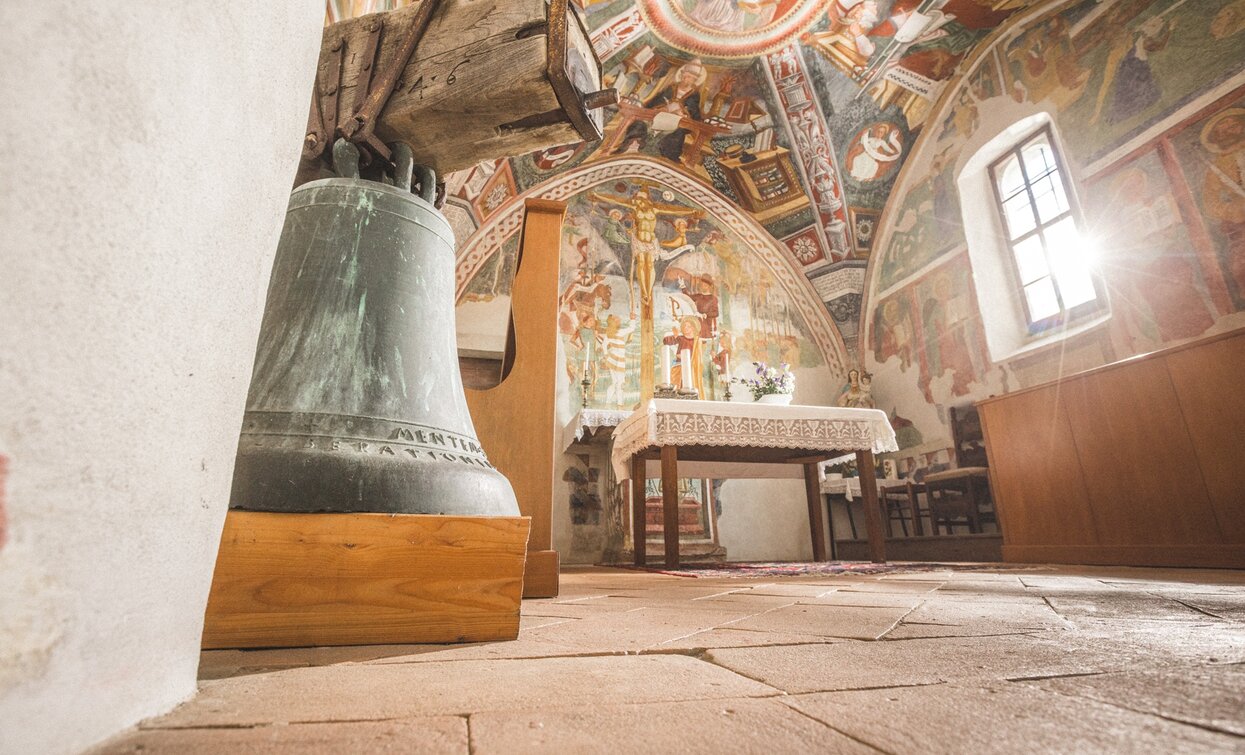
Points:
(1033, 464)
(1209, 383)
(515, 420)
(1140, 468)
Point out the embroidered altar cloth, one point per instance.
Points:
(589, 420)
(679, 422)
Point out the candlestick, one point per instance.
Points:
(584, 385)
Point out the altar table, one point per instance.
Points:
(724, 440)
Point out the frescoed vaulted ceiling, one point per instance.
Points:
(799, 112)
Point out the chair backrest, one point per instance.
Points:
(966, 434)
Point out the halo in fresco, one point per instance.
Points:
(729, 28)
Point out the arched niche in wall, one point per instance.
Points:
(714, 257)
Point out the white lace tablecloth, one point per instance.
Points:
(665, 422)
(588, 420)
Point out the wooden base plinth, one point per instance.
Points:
(295, 580)
(1197, 556)
(540, 580)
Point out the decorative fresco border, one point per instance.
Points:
(810, 140)
(487, 240)
(617, 33)
(672, 26)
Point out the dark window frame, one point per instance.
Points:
(1065, 315)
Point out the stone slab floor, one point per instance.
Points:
(1006, 659)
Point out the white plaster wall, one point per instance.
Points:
(481, 325)
(765, 520)
(148, 157)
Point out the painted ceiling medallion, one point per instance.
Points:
(729, 28)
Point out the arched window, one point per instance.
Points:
(1033, 265)
(1049, 259)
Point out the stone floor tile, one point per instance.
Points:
(641, 629)
(601, 603)
(745, 599)
(1157, 643)
(522, 648)
(943, 618)
(709, 727)
(381, 691)
(220, 664)
(1224, 605)
(792, 590)
(866, 599)
(430, 736)
(851, 622)
(1000, 718)
(1126, 606)
(582, 608)
(1209, 696)
(1025, 598)
(895, 586)
(535, 622)
(729, 637)
(858, 665)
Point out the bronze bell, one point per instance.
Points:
(356, 403)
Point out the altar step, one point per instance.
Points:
(693, 552)
(689, 518)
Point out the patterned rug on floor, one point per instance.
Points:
(786, 569)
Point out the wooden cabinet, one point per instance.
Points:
(1141, 462)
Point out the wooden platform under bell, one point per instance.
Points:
(295, 580)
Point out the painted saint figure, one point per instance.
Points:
(1223, 189)
(681, 99)
(875, 152)
(613, 362)
(686, 338)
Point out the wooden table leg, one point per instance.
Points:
(639, 510)
(816, 522)
(834, 548)
(670, 503)
(873, 514)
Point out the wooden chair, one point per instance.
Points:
(901, 502)
(961, 496)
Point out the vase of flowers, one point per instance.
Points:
(772, 385)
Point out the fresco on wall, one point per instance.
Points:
(639, 258)
(879, 65)
(1112, 69)
(952, 344)
(1211, 152)
(1149, 259)
(894, 329)
(495, 276)
(1167, 216)
(929, 223)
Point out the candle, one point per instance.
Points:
(685, 367)
(665, 364)
(726, 366)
